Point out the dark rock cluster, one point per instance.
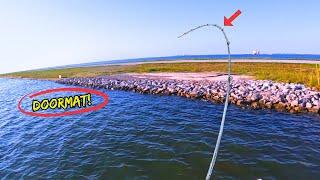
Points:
(256, 94)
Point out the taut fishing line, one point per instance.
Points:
(215, 154)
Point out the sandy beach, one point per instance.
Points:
(201, 76)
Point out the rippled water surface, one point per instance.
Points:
(153, 137)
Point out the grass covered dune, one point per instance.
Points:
(307, 74)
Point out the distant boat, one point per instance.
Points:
(256, 52)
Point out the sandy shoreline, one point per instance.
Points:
(200, 76)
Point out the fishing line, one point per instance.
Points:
(215, 154)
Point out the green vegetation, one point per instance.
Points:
(307, 74)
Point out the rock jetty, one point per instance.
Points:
(257, 94)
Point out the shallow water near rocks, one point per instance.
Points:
(153, 137)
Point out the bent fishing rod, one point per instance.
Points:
(215, 153)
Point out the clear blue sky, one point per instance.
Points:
(45, 33)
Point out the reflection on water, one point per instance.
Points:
(153, 137)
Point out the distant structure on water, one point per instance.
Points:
(256, 52)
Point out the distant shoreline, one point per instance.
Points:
(284, 58)
(164, 60)
(298, 71)
(295, 61)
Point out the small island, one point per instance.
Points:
(284, 86)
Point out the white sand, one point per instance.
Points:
(201, 76)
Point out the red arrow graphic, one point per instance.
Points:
(228, 21)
